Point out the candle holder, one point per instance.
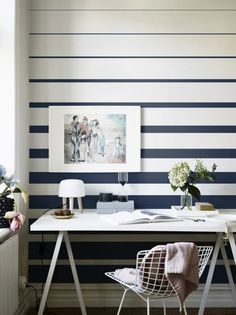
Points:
(122, 179)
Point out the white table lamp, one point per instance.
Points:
(72, 188)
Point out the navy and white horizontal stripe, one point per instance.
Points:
(178, 62)
(91, 274)
(142, 104)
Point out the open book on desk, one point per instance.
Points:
(138, 217)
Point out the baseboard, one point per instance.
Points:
(108, 295)
(24, 302)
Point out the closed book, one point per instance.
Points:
(204, 206)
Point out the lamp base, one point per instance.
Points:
(80, 204)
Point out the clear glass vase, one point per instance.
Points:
(122, 194)
(123, 179)
(186, 201)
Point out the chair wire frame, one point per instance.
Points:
(150, 280)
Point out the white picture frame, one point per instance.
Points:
(100, 139)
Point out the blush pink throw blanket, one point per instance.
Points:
(181, 268)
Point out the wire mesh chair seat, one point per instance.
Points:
(150, 280)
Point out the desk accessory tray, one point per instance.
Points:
(176, 210)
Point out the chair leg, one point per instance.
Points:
(122, 300)
(164, 307)
(148, 306)
(185, 310)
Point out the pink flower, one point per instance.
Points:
(17, 221)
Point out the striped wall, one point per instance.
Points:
(175, 59)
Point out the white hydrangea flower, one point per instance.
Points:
(200, 168)
(178, 174)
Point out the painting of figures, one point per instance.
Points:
(94, 139)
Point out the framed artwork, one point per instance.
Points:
(94, 139)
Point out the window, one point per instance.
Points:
(7, 84)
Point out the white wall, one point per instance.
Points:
(7, 84)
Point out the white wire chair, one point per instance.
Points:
(150, 280)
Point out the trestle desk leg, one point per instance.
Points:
(210, 274)
(74, 273)
(233, 246)
(50, 273)
(229, 273)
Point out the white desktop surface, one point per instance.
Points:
(89, 220)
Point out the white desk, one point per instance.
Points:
(90, 221)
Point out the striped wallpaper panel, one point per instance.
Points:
(131, 69)
(125, 5)
(133, 22)
(144, 104)
(165, 140)
(89, 274)
(152, 166)
(187, 117)
(175, 59)
(133, 46)
(132, 92)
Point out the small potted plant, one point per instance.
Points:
(181, 176)
(8, 207)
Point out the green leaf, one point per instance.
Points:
(24, 194)
(6, 190)
(195, 192)
(174, 187)
(17, 190)
(185, 187)
(5, 193)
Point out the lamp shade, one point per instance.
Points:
(71, 188)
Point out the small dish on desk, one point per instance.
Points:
(62, 214)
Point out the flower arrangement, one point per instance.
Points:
(8, 188)
(181, 176)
